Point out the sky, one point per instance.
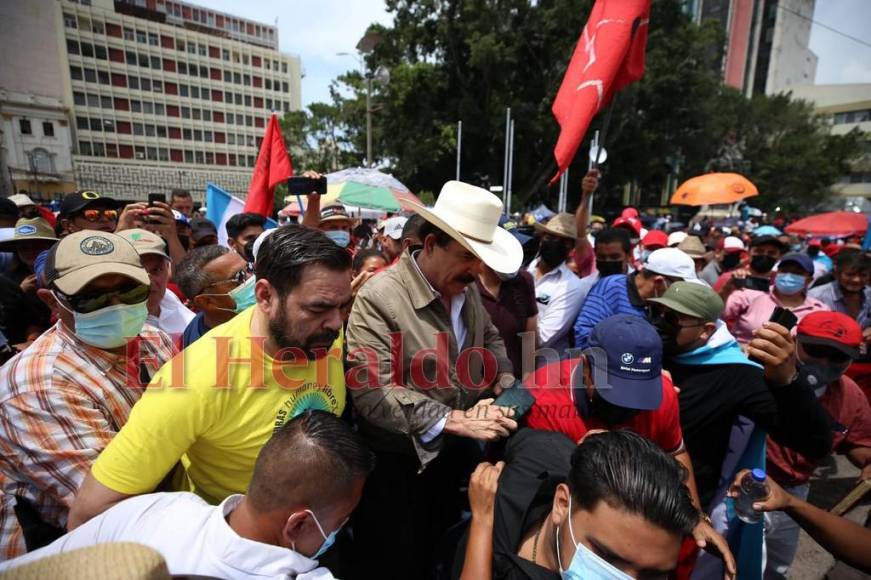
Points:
(319, 29)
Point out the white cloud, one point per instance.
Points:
(842, 60)
(315, 30)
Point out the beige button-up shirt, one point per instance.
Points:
(407, 371)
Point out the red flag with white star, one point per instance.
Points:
(609, 55)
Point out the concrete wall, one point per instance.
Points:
(792, 62)
(30, 23)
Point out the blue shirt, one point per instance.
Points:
(610, 296)
(195, 329)
(831, 295)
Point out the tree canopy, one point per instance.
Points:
(451, 60)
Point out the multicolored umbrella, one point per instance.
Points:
(713, 189)
(367, 188)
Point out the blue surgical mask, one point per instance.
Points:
(109, 327)
(586, 564)
(341, 237)
(328, 540)
(243, 294)
(789, 284)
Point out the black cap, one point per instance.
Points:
(201, 227)
(769, 240)
(76, 201)
(8, 208)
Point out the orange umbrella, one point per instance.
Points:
(714, 188)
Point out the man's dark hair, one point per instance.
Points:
(412, 226)
(631, 473)
(612, 235)
(284, 255)
(363, 255)
(189, 273)
(179, 193)
(312, 459)
(427, 229)
(237, 224)
(852, 259)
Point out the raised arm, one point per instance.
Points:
(583, 248)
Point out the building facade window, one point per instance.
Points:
(48, 128)
(24, 127)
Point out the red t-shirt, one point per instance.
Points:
(554, 409)
(847, 405)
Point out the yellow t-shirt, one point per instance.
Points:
(213, 406)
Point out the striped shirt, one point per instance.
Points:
(610, 296)
(61, 402)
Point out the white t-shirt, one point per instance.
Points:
(174, 316)
(193, 537)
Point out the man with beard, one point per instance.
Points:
(217, 402)
(718, 383)
(422, 402)
(557, 289)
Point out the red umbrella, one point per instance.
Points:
(834, 223)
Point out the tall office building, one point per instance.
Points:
(159, 94)
(767, 42)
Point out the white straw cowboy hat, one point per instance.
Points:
(470, 215)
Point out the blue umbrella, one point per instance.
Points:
(767, 231)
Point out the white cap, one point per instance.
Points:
(671, 262)
(393, 227)
(21, 200)
(259, 241)
(733, 243)
(674, 238)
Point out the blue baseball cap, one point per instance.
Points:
(803, 260)
(628, 351)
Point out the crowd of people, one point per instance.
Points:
(443, 393)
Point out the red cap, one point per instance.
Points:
(832, 329)
(629, 212)
(815, 243)
(655, 238)
(632, 222)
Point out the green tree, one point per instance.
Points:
(468, 60)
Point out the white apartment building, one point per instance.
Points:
(160, 94)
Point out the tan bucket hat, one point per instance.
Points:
(561, 225)
(27, 229)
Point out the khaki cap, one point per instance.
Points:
(693, 247)
(81, 257)
(145, 242)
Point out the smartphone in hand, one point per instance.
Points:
(306, 185)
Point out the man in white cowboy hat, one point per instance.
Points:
(424, 356)
(557, 289)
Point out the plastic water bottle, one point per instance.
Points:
(753, 490)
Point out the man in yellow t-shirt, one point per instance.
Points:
(217, 402)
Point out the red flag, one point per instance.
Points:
(273, 167)
(609, 56)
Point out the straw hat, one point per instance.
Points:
(693, 247)
(561, 225)
(111, 561)
(470, 215)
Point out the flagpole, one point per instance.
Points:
(505, 166)
(510, 168)
(459, 146)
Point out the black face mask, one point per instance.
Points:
(813, 252)
(609, 267)
(731, 261)
(610, 414)
(553, 252)
(762, 263)
(668, 333)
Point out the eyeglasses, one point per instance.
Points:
(825, 352)
(93, 215)
(237, 278)
(85, 303)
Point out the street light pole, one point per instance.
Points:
(368, 119)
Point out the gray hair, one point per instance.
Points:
(189, 273)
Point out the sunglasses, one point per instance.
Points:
(826, 352)
(85, 303)
(237, 278)
(94, 215)
(674, 319)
